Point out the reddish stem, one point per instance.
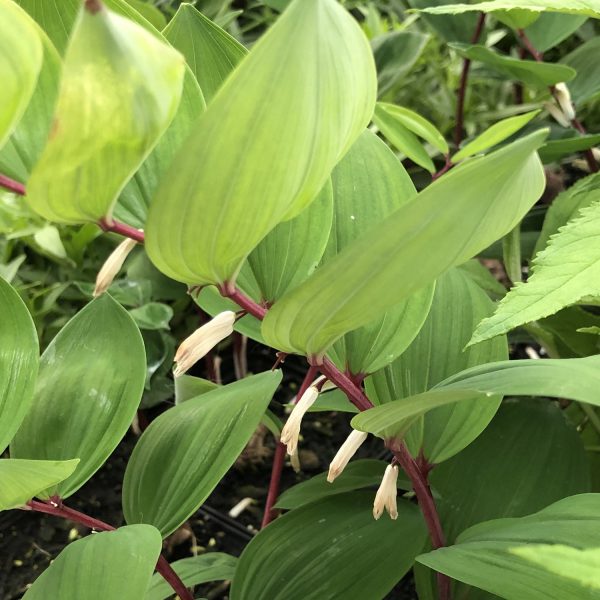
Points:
(345, 383)
(12, 185)
(122, 229)
(243, 301)
(462, 87)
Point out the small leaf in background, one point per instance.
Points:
(494, 135)
(584, 59)
(120, 89)
(214, 566)
(150, 12)
(24, 479)
(297, 548)
(188, 387)
(489, 197)
(562, 274)
(555, 149)
(185, 452)
(89, 387)
(454, 28)
(21, 57)
(550, 29)
(266, 144)
(153, 315)
(529, 71)
(113, 565)
(210, 51)
(19, 352)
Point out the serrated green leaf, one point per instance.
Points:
(186, 451)
(19, 351)
(266, 144)
(489, 197)
(89, 387)
(210, 51)
(494, 135)
(24, 479)
(119, 83)
(310, 566)
(529, 71)
(583, 59)
(113, 565)
(564, 273)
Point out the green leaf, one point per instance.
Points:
(151, 13)
(457, 28)
(89, 387)
(396, 53)
(153, 315)
(316, 69)
(188, 387)
(516, 18)
(437, 353)
(490, 196)
(24, 479)
(119, 83)
(292, 251)
(589, 8)
(358, 474)
(18, 362)
(529, 71)
(113, 565)
(494, 135)
(550, 29)
(504, 558)
(309, 565)
(22, 56)
(185, 452)
(214, 566)
(553, 150)
(210, 51)
(583, 59)
(564, 273)
(528, 457)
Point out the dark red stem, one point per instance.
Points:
(345, 383)
(168, 574)
(12, 185)
(243, 301)
(122, 229)
(462, 86)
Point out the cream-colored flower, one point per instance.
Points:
(295, 461)
(112, 265)
(558, 115)
(291, 430)
(199, 343)
(563, 97)
(345, 453)
(386, 494)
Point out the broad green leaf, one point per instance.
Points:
(585, 85)
(550, 29)
(567, 205)
(588, 8)
(456, 28)
(297, 557)
(120, 89)
(358, 474)
(494, 135)
(89, 387)
(185, 452)
(113, 565)
(437, 353)
(214, 566)
(266, 144)
(210, 51)
(487, 196)
(333, 401)
(528, 457)
(19, 352)
(153, 315)
(21, 57)
(369, 183)
(554, 150)
(150, 12)
(292, 250)
(529, 71)
(562, 274)
(516, 18)
(188, 387)
(396, 53)
(24, 479)
(520, 558)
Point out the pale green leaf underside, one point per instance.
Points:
(120, 90)
(564, 273)
(266, 144)
(487, 196)
(24, 479)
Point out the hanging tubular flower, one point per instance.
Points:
(558, 115)
(197, 345)
(386, 494)
(291, 430)
(563, 97)
(345, 453)
(112, 265)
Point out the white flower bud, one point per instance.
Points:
(112, 265)
(558, 115)
(197, 345)
(291, 430)
(295, 462)
(563, 96)
(386, 494)
(345, 453)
